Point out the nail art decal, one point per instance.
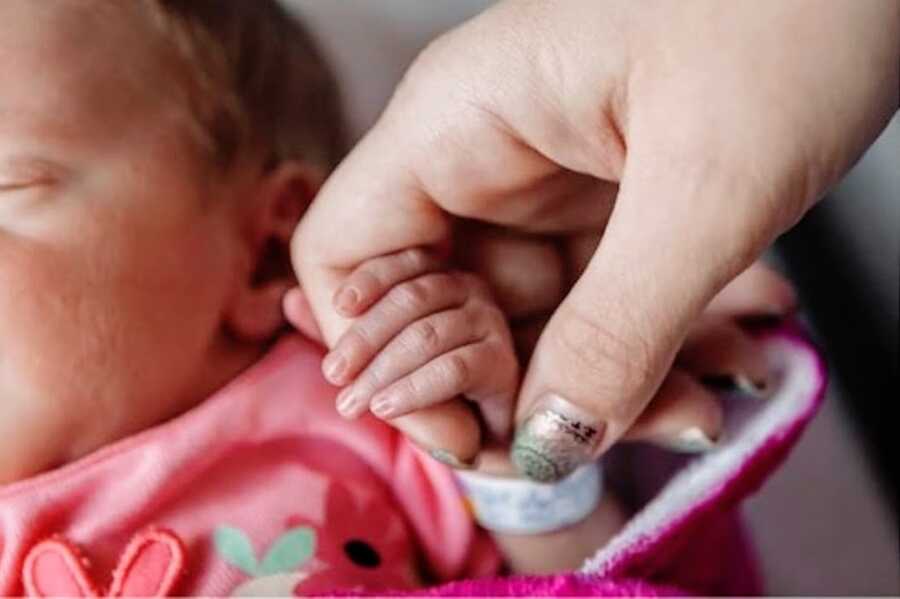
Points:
(550, 445)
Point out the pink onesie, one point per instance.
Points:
(262, 489)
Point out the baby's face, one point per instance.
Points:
(117, 256)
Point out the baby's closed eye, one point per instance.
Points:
(21, 172)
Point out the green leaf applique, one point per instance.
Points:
(235, 548)
(289, 551)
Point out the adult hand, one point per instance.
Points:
(694, 132)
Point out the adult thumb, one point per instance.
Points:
(671, 244)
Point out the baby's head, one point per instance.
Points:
(155, 156)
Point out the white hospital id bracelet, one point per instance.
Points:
(520, 506)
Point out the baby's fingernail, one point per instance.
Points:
(445, 457)
(691, 440)
(383, 407)
(346, 300)
(555, 440)
(347, 403)
(333, 367)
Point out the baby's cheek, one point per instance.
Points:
(91, 347)
(45, 373)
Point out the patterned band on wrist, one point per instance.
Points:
(519, 506)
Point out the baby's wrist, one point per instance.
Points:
(522, 507)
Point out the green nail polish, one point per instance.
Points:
(550, 445)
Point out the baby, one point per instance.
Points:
(160, 431)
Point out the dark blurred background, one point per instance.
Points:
(826, 523)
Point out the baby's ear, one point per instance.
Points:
(282, 196)
(279, 199)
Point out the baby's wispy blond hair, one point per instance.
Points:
(254, 79)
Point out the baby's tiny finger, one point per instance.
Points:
(373, 279)
(450, 375)
(449, 431)
(401, 306)
(439, 380)
(417, 345)
(683, 416)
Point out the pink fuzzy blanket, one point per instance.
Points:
(687, 539)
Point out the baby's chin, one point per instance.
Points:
(38, 447)
(20, 463)
(41, 436)
(55, 425)
(35, 446)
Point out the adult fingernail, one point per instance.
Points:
(738, 382)
(333, 367)
(754, 388)
(449, 459)
(555, 440)
(346, 300)
(691, 440)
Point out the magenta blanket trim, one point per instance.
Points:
(642, 567)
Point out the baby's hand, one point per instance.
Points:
(421, 336)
